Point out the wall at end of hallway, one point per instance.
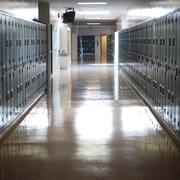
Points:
(83, 31)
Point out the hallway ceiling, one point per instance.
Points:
(117, 9)
(132, 10)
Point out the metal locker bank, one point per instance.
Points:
(23, 65)
(155, 71)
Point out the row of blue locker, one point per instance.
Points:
(23, 56)
(150, 54)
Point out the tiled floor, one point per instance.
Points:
(91, 126)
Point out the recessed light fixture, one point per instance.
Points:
(92, 12)
(93, 23)
(91, 3)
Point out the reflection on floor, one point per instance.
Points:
(91, 126)
(84, 59)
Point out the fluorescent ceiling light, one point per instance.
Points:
(108, 18)
(100, 18)
(91, 3)
(92, 12)
(91, 18)
(93, 23)
(149, 12)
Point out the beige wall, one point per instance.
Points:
(74, 46)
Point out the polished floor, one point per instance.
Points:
(90, 126)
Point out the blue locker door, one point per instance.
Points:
(25, 66)
(149, 76)
(24, 54)
(155, 62)
(18, 101)
(161, 58)
(170, 68)
(166, 68)
(33, 60)
(3, 66)
(174, 64)
(145, 57)
(177, 88)
(15, 64)
(1, 63)
(18, 44)
(158, 51)
(28, 62)
(8, 68)
(44, 56)
(38, 58)
(21, 64)
(12, 67)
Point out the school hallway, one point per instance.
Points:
(92, 125)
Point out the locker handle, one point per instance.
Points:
(169, 41)
(172, 94)
(173, 41)
(10, 42)
(18, 89)
(149, 80)
(26, 84)
(21, 88)
(7, 43)
(177, 71)
(11, 93)
(152, 62)
(8, 96)
(166, 67)
(169, 94)
(160, 88)
(163, 90)
(14, 67)
(144, 76)
(3, 71)
(156, 84)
